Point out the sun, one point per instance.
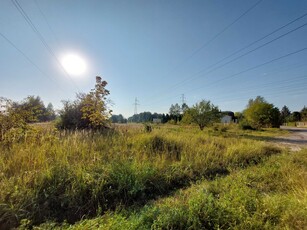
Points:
(74, 64)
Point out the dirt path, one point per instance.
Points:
(296, 140)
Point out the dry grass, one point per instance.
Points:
(49, 175)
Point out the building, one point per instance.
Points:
(157, 120)
(228, 117)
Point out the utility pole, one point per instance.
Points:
(136, 103)
(182, 99)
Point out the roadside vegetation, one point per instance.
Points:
(82, 172)
(271, 195)
(52, 175)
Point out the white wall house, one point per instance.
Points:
(156, 120)
(226, 119)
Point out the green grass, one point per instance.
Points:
(51, 176)
(271, 195)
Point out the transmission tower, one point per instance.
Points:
(182, 99)
(136, 103)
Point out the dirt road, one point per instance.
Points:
(296, 140)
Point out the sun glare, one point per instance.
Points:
(74, 64)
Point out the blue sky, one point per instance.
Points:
(157, 51)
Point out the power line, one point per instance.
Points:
(255, 67)
(247, 70)
(136, 103)
(48, 24)
(223, 30)
(246, 53)
(259, 47)
(30, 60)
(275, 94)
(41, 38)
(194, 76)
(182, 99)
(256, 41)
(288, 84)
(217, 35)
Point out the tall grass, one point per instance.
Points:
(66, 176)
(272, 195)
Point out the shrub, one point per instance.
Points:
(244, 125)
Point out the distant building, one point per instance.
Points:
(228, 117)
(157, 120)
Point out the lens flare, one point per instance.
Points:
(74, 64)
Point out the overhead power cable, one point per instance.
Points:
(259, 47)
(241, 72)
(41, 38)
(48, 24)
(256, 41)
(224, 29)
(242, 55)
(218, 34)
(254, 67)
(287, 84)
(30, 60)
(241, 49)
(289, 92)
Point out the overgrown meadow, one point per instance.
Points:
(172, 177)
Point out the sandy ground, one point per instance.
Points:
(296, 140)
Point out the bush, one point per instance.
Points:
(244, 125)
(147, 128)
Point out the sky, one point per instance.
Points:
(160, 51)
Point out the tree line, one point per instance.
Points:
(258, 114)
(91, 111)
(87, 111)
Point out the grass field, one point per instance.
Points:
(174, 177)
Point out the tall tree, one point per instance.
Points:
(94, 105)
(11, 118)
(259, 113)
(304, 114)
(184, 107)
(31, 108)
(295, 116)
(204, 113)
(88, 110)
(71, 115)
(118, 119)
(50, 113)
(175, 111)
(285, 114)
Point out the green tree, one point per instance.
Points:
(94, 105)
(88, 110)
(118, 119)
(204, 113)
(184, 107)
(50, 113)
(259, 113)
(295, 116)
(175, 112)
(11, 119)
(32, 109)
(239, 116)
(187, 117)
(304, 114)
(285, 114)
(71, 115)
